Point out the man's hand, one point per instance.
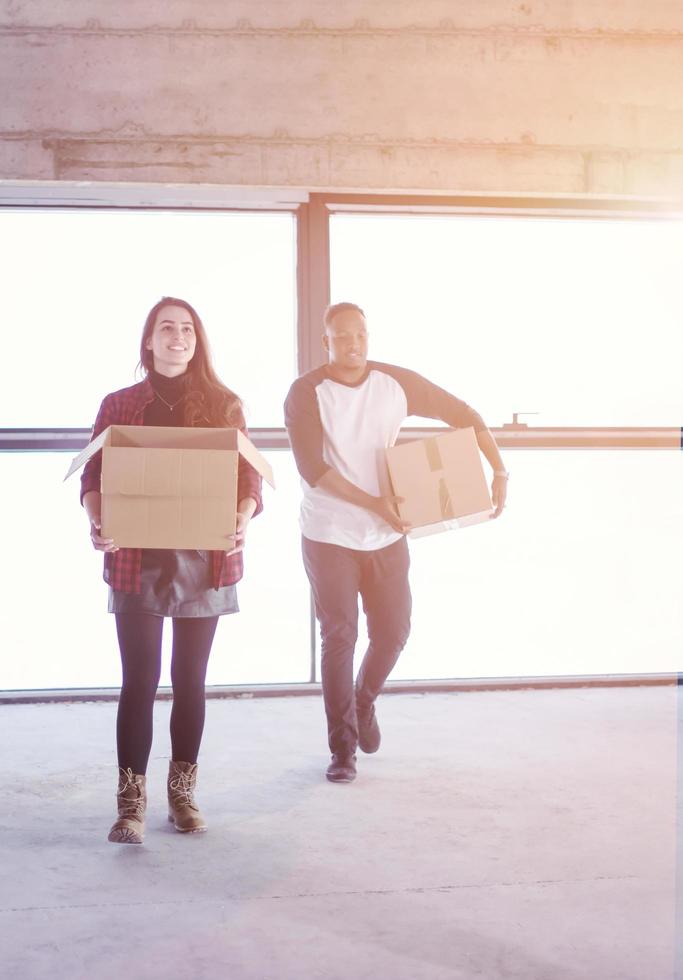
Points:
(387, 509)
(499, 490)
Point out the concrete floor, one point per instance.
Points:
(529, 835)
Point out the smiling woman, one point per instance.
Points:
(192, 587)
(172, 341)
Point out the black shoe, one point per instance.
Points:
(369, 735)
(342, 769)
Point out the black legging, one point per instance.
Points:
(140, 644)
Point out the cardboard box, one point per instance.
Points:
(442, 481)
(165, 487)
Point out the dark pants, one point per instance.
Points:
(337, 576)
(140, 645)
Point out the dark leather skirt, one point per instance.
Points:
(176, 583)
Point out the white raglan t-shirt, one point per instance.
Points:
(348, 427)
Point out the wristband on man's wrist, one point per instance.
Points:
(504, 473)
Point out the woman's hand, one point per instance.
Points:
(98, 542)
(92, 502)
(241, 524)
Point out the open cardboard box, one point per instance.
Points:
(442, 482)
(166, 487)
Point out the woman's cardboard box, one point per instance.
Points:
(165, 487)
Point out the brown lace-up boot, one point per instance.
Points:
(183, 812)
(131, 798)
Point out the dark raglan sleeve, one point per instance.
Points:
(431, 402)
(302, 418)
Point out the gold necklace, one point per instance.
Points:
(168, 404)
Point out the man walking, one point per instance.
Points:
(340, 418)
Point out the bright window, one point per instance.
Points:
(77, 286)
(577, 320)
(581, 575)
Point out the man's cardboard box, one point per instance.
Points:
(441, 480)
(165, 487)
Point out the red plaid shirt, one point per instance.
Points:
(122, 567)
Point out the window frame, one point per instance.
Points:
(312, 211)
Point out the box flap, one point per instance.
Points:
(172, 437)
(94, 446)
(253, 456)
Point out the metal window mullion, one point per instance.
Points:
(313, 280)
(313, 296)
(507, 437)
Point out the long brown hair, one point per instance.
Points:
(207, 401)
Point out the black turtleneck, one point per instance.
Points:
(168, 391)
